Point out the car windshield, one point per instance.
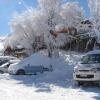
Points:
(3, 62)
(90, 59)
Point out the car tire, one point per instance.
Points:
(98, 84)
(80, 83)
(35, 73)
(20, 72)
(51, 70)
(41, 72)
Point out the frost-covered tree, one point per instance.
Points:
(44, 21)
(59, 14)
(94, 6)
(22, 29)
(72, 14)
(50, 10)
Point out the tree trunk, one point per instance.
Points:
(56, 52)
(90, 44)
(50, 50)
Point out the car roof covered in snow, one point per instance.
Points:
(93, 52)
(7, 57)
(35, 60)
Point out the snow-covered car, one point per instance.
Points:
(88, 69)
(5, 65)
(7, 57)
(28, 69)
(4, 68)
(4, 59)
(31, 65)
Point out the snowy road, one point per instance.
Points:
(31, 88)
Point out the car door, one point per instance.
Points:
(33, 69)
(36, 69)
(29, 69)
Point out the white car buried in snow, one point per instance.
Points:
(5, 65)
(88, 69)
(31, 65)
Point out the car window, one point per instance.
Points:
(5, 65)
(3, 62)
(89, 59)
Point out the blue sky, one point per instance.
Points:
(9, 7)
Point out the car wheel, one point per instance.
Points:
(35, 73)
(98, 84)
(41, 72)
(1, 72)
(80, 83)
(51, 70)
(20, 72)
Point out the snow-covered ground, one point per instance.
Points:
(56, 85)
(1, 44)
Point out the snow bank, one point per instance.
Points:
(62, 66)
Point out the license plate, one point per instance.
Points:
(83, 75)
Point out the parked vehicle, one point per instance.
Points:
(7, 57)
(4, 59)
(36, 63)
(88, 69)
(28, 69)
(4, 67)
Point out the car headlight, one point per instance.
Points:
(75, 69)
(95, 69)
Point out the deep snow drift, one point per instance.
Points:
(56, 85)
